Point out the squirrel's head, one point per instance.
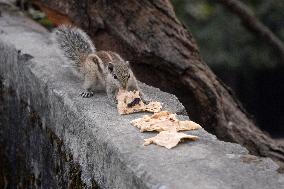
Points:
(120, 72)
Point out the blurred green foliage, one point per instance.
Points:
(240, 58)
(221, 37)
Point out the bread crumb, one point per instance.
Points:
(130, 102)
(163, 121)
(168, 139)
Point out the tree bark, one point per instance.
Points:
(164, 54)
(254, 25)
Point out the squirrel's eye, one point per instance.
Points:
(128, 76)
(114, 76)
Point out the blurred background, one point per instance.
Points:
(246, 63)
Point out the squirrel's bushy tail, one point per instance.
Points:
(74, 43)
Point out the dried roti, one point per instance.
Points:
(163, 121)
(130, 102)
(169, 139)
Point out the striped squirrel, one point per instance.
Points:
(102, 70)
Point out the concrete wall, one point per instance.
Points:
(50, 137)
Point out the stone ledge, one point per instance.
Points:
(104, 144)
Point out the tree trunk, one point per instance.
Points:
(164, 54)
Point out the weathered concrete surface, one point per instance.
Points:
(104, 145)
(31, 155)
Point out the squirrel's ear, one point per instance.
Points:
(110, 67)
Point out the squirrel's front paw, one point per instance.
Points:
(86, 94)
(146, 101)
(112, 102)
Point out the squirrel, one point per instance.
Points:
(102, 70)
